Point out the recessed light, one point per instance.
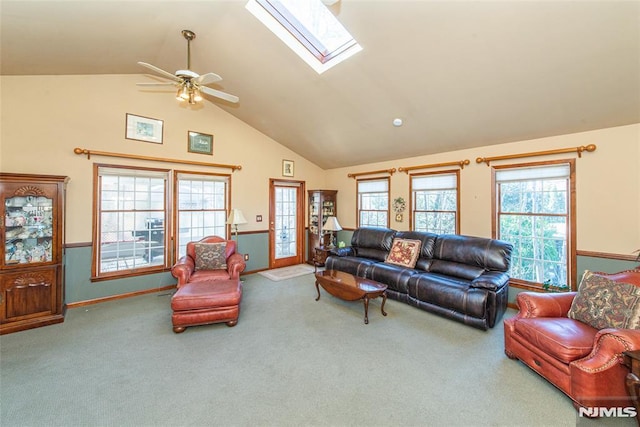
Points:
(397, 122)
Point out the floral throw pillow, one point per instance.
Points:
(211, 256)
(604, 303)
(404, 252)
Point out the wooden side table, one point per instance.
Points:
(631, 359)
(320, 258)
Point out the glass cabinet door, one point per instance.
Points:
(28, 230)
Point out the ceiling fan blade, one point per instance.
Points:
(218, 94)
(157, 84)
(160, 71)
(205, 79)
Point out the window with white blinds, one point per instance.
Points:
(434, 202)
(373, 202)
(534, 212)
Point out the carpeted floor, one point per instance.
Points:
(290, 361)
(284, 273)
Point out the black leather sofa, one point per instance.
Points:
(460, 277)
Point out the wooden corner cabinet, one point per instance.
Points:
(322, 205)
(32, 257)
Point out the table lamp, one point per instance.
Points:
(331, 225)
(235, 218)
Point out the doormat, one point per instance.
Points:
(284, 273)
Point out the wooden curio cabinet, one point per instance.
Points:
(32, 256)
(322, 205)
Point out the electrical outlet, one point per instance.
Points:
(246, 257)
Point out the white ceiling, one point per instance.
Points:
(460, 74)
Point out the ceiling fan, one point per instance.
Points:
(190, 85)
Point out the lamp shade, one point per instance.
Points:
(332, 224)
(236, 217)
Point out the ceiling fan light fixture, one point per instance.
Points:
(197, 96)
(183, 94)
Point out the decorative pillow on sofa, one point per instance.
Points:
(211, 256)
(604, 303)
(404, 252)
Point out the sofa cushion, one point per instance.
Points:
(394, 276)
(372, 242)
(564, 339)
(404, 252)
(211, 256)
(487, 254)
(604, 303)
(349, 264)
(449, 293)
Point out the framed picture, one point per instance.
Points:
(144, 129)
(201, 143)
(287, 168)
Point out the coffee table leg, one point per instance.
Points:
(384, 299)
(317, 289)
(366, 310)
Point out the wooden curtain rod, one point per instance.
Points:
(590, 148)
(80, 151)
(461, 164)
(389, 171)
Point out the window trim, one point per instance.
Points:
(386, 178)
(571, 238)
(278, 19)
(412, 201)
(95, 256)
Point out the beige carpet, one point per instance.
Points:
(284, 273)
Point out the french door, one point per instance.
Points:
(286, 223)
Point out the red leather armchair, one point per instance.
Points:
(185, 269)
(583, 362)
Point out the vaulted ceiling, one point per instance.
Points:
(460, 74)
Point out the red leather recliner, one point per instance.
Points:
(207, 296)
(583, 362)
(185, 269)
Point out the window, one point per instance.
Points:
(373, 202)
(131, 220)
(434, 202)
(308, 28)
(202, 207)
(535, 211)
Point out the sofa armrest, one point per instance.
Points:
(348, 251)
(491, 280)
(235, 265)
(536, 304)
(183, 269)
(609, 344)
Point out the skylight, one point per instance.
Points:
(308, 28)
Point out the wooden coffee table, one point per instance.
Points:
(351, 288)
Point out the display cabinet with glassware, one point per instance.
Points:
(322, 205)
(32, 257)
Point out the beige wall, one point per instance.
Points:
(45, 117)
(607, 185)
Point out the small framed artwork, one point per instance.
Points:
(144, 129)
(287, 168)
(200, 143)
